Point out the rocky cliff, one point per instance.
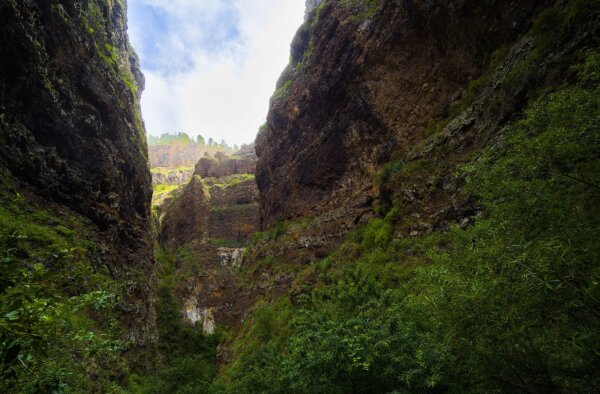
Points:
(368, 79)
(171, 177)
(207, 226)
(427, 180)
(72, 135)
(180, 155)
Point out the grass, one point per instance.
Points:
(282, 91)
(161, 192)
(167, 170)
(226, 181)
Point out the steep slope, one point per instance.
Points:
(73, 149)
(428, 178)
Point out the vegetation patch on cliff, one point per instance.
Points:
(58, 311)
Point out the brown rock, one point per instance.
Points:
(361, 86)
(186, 218)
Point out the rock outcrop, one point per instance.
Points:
(368, 79)
(178, 176)
(212, 220)
(242, 162)
(72, 134)
(186, 219)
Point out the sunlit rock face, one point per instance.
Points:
(71, 131)
(169, 177)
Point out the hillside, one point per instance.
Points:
(418, 214)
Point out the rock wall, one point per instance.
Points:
(367, 79)
(178, 155)
(211, 221)
(71, 131)
(186, 218)
(210, 168)
(178, 176)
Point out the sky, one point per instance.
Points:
(211, 65)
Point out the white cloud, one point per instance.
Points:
(218, 86)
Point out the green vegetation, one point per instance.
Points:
(165, 170)
(58, 318)
(258, 352)
(363, 9)
(262, 128)
(234, 208)
(318, 12)
(161, 192)
(509, 304)
(170, 139)
(226, 181)
(189, 362)
(282, 91)
(224, 243)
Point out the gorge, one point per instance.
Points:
(419, 213)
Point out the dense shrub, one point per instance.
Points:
(58, 320)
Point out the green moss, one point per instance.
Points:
(58, 9)
(108, 54)
(282, 91)
(234, 208)
(50, 88)
(362, 9)
(224, 243)
(272, 234)
(262, 128)
(226, 181)
(318, 13)
(161, 192)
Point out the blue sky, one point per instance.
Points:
(211, 65)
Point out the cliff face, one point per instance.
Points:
(207, 226)
(171, 177)
(72, 134)
(367, 79)
(178, 155)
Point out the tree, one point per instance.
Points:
(200, 140)
(211, 142)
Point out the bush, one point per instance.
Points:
(507, 305)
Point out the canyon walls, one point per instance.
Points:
(71, 133)
(368, 79)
